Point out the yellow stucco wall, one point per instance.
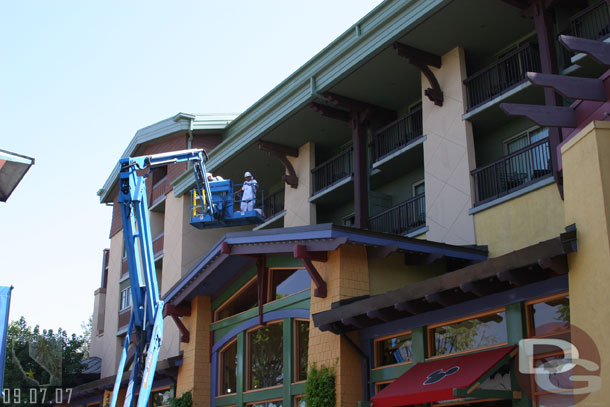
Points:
(299, 211)
(521, 222)
(391, 273)
(346, 275)
(586, 172)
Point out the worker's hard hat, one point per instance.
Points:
(208, 174)
(247, 174)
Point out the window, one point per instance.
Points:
(393, 350)
(160, 398)
(243, 300)
(273, 403)
(463, 335)
(265, 357)
(283, 282)
(549, 316)
(525, 139)
(348, 220)
(300, 401)
(300, 350)
(419, 187)
(382, 385)
(228, 369)
(125, 299)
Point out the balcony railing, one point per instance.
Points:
(512, 172)
(504, 74)
(158, 245)
(333, 171)
(159, 190)
(592, 23)
(274, 203)
(405, 217)
(397, 134)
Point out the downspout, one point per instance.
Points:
(366, 366)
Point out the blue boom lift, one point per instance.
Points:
(212, 207)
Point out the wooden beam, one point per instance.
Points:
(331, 112)
(557, 265)
(357, 105)
(448, 298)
(300, 252)
(598, 50)
(570, 86)
(384, 314)
(420, 259)
(520, 4)
(547, 116)
(423, 60)
(280, 152)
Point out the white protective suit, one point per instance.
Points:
(248, 197)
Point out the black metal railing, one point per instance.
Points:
(402, 218)
(397, 134)
(502, 75)
(274, 203)
(332, 171)
(513, 171)
(592, 23)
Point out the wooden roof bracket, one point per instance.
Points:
(176, 312)
(423, 61)
(301, 252)
(280, 153)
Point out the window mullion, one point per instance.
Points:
(288, 371)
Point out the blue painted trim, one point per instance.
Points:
(548, 287)
(542, 183)
(214, 381)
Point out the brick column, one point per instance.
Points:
(346, 275)
(194, 374)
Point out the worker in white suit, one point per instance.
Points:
(249, 188)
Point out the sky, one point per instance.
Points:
(79, 78)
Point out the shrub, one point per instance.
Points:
(320, 387)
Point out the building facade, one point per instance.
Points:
(429, 205)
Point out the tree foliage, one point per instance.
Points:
(39, 362)
(320, 387)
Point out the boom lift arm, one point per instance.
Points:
(146, 321)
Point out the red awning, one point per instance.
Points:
(436, 380)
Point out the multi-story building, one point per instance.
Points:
(412, 225)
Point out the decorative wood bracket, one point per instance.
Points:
(176, 312)
(423, 61)
(300, 252)
(331, 112)
(598, 50)
(280, 152)
(547, 116)
(571, 87)
(364, 109)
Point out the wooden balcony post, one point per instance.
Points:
(361, 204)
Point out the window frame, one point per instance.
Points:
(383, 338)
(430, 339)
(377, 384)
(220, 370)
(529, 318)
(248, 360)
(250, 404)
(158, 389)
(295, 399)
(524, 133)
(250, 282)
(415, 185)
(128, 299)
(270, 279)
(295, 351)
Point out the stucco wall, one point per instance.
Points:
(391, 273)
(299, 211)
(586, 174)
(521, 222)
(448, 155)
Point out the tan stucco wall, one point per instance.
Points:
(586, 174)
(108, 346)
(448, 155)
(391, 273)
(346, 274)
(299, 211)
(194, 374)
(521, 222)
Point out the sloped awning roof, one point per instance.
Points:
(447, 379)
(12, 169)
(217, 267)
(521, 267)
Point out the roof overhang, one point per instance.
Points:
(171, 125)
(217, 267)
(521, 267)
(12, 169)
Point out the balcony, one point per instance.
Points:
(513, 172)
(159, 190)
(592, 23)
(403, 218)
(124, 267)
(335, 171)
(157, 244)
(274, 203)
(394, 137)
(501, 76)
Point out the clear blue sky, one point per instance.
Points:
(79, 78)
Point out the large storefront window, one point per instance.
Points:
(274, 403)
(549, 316)
(393, 350)
(463, 335)
(284, 282)
(301, 347)
(228, 369)
(265, 357)
(161, 398)
(243, 300)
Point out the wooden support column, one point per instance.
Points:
(361, 196)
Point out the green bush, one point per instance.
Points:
(186, 400)
(320, 387)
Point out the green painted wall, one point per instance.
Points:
(401, 188)
(489, 146)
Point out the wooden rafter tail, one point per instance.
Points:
(547, 116)
(571, 87)
(331, 112)
(301, 252)
(598, 50)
